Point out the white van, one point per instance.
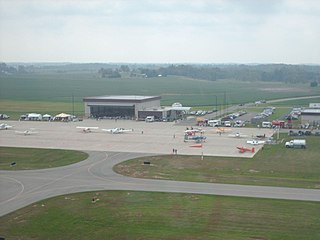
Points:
(149, 119)
(227, 123)
(266, 124)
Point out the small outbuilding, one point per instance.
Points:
(310, 116)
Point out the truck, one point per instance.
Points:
(296, 143)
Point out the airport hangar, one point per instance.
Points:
(131, 107)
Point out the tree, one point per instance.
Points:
(314, 84)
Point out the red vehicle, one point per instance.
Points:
(245, 149)
(278, 123)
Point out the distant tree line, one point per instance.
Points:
(268, 72)
(5, 69)
(260, 72)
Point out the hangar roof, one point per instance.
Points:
(121, 98)
(310, 111)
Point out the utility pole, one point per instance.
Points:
(225, 102)
(72, 104)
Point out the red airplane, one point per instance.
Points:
(244, 149)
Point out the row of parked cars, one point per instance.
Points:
(303, 133)
(4, 116)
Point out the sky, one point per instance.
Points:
(160, 31)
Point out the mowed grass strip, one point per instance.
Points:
(32, 158)
(148, 215)
(16, 108)
(275, 165)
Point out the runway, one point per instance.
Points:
(21, 188)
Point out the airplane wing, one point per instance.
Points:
(87, 129)
(255, 142)
(117, 130)
(121, 130)
(237, 135)
(27, 132)
(108, 130)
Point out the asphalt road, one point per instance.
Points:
(21, 188)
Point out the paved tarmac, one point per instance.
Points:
(21, 188)
(156, 137)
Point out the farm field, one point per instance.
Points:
(147, 215)
(275, 165)
(51, 92)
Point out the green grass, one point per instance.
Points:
(298, 103)
(39, 90)
(15, 108)
(142, 215)
(273, 166)
(31, 158)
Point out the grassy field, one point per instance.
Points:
(15, 108)
(31, 158)
(297, 103)
(55, 92)
(273, 166)
(141, 215)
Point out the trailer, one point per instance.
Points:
(214, 123)
(296, 143)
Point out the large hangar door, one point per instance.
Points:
(112, 111)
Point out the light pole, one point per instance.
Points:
(216, 105)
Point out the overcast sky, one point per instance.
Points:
(160, 31)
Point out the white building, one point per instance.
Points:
(310, 116)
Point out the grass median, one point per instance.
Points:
(12, 158)
(275, 165)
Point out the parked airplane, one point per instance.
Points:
(197, 139)
(191, 132)
(87, 129)
(244, 149)
(223, 130)
(26, 132)
(261, 136)
(4, 126)
(255, 142)
(117, 130)
(237, 135)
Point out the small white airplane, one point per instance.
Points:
(117, 130)
(237, 135)
(190, 132)
(4, 126)
(255, 142)
(26, 132)
(87, 129)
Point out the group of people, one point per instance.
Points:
(174, 151)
